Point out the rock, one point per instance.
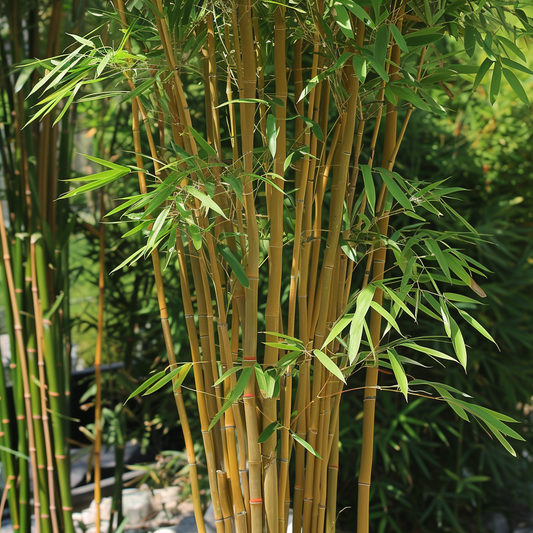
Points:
(496, 522)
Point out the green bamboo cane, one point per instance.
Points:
(54, 373)
(42, 394)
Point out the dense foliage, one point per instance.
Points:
(258, 162)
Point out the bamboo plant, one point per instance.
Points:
(34, 233)
(272, 193)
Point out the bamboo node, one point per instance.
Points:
(369, 398)
(47, 322)
(12, 366)
(20, 417)
(68, 509)
(249, 395)
(60, 457)
(256, 500)
(54, 394)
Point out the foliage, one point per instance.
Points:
(281, 173)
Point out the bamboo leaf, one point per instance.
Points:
(475, 324)
(359, 12)
(145, 385)
(268, 432)
(234, 264)
(272, 134)
(14, 452)
(428, 351)
(470, 39)
(359, 66)
(202, 142)
(381, 45)
(234, 395)
(398, 37)
(227, 374)
(337, 329)
(356, 328)
(131, 259)
(398, 301)
(517, 66)
(329, 364)
(433, 247)
(317, 130)
(260, 376)
(495, 82)
(81, 40)
(386, 315)
(343, 20)
(305, 444)
(244, 101)
(158, 224)
(394, 189)
(184, 370)
(460, 298)
(204, 199)
(483, 69)
(515, 84)
(143, 87)
(399, 373)
(370, 188)
(458, 342)
(452, 402)
(162, 382)
(55, 306)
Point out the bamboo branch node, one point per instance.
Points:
(369, 398)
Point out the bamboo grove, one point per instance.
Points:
(298, 246)
(34, 231)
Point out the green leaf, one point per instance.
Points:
(202, 142)
(483, 69)
(260, 376)
(495, 82)
(244, 101)
(423, 37)
(317, 130)
(399, 373)
(184, 370)
(145, 385)
(458, 342)
(452, 402)
(433, 247)
(329, 365)
(81, 40)
(343, 20)
(460, 298)
(206, 201)
(196, 236)
(272, 134)
(234, 264)
(515, 84)
(386, 315)
(370, 188)
(234, 395)
(143, 87)
(268, 432)
(381, 45)
(394, 189)
(475, 324)
(398, 37)
(226, 374)
(14, 452)
(428, 351)
(358, 11)
(359, 66)
(410, 96)
(398, 301)
(337, 329)
(363, 301)
(158, 224)
(305, 444)
(470, 39)
(163, 381)
(517, 66)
